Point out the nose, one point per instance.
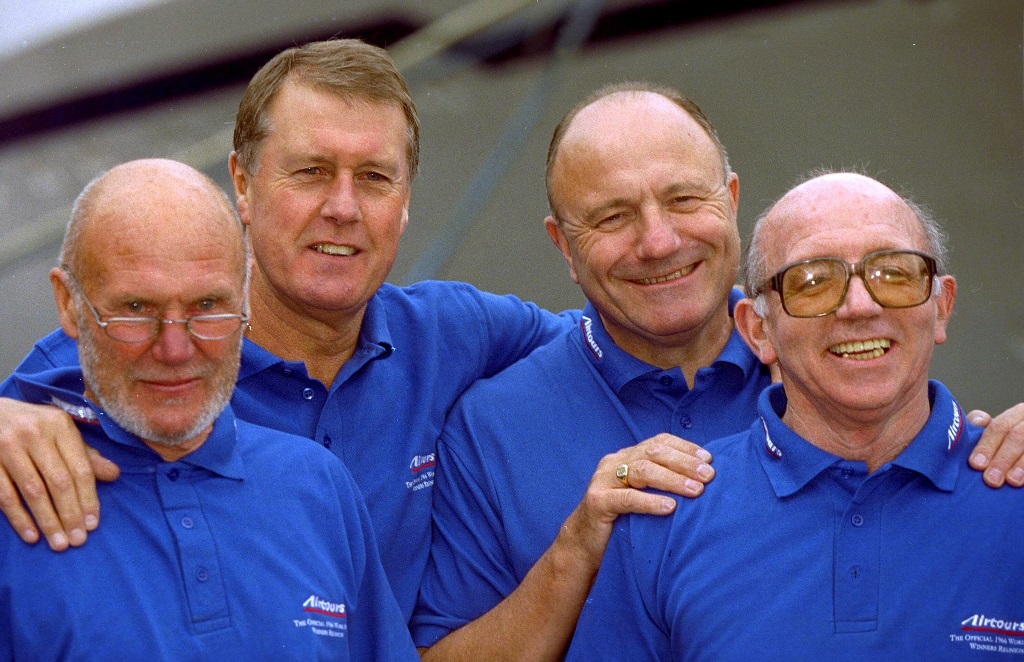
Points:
(174, 344)
(657, 235)
(858, 302)
(341, 200)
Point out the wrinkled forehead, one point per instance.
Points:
(163, 235)
(623, 120)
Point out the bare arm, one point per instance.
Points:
(46, 467)
(1000, 451)
(536, 621)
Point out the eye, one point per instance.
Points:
(206, 305)
(684, 203)
(374, 176)
(135, 308)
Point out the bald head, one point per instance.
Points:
(616, 112)
(157, 203)
(834, 204)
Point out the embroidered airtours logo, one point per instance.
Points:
(317, 608)
(587, 326)
(772, 448)
(422, 462)
(78, 412)
(956, 428)
(316, 604)
(983, 623)
(422, 469)
(981, 633)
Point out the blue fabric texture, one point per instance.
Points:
(796, 554)
(256, 545)
(420, 347)
(518, 452)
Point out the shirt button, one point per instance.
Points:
(287, 372)
(173, 474)
(687, 423)
(202, 574)
(327, 441)
(187, 522)
(856, 572)
(307, 393)
(847, 473)
(857, 520)
(665, 380)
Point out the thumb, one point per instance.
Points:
(104, 469)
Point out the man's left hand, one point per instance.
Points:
(1000, 451)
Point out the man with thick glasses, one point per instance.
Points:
(817, 287)
(198, 557)
(845, 524)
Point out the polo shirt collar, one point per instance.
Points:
(792, 462)
(374, 342)
(619, 367)
(64, 388)
(932, 452)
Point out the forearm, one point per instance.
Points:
(535, 622)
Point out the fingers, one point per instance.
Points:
(17, 516)
(666, 462)
(102, 468)
(1000, 451)
(45, 469)
(23, 472)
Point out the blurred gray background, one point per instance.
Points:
(927, 95)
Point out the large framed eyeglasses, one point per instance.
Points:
(818, 287)
(137, 330)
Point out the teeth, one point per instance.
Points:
(672, 276)
(335, 249)
(861, 349)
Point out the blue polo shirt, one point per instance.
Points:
(419, 348)
(796, 554)
(519, 449)
(256, 545)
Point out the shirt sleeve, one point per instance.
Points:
(513, 328)
(377, 630)
(468, 572)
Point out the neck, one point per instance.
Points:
(689, 351)
(873, 436)
(324, 344)
(175, 453)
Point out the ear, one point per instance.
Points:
(240, 178)
(733, 184)
(752, 327)
(562, 243)
(944, 301)
(66, 308)
(405, 211)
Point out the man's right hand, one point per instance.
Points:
(46, 467)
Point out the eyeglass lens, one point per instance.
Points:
(894, 280)
(211, 327)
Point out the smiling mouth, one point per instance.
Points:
(861, 350)
(334, 249)
(662, 279)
